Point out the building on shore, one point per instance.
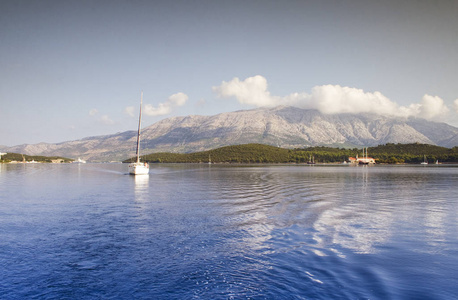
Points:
(361, 160)
(365, 160)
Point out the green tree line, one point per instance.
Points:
(258, 153)
(38, 158)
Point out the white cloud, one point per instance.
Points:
(175, 100)
(103, 119)
(455, 105)
(106, 120)
(330, 99)
(93, 112)
(178, 99)
(201, 102)
(130, 110)
(160, 110)
(432, 107)
(252, 91)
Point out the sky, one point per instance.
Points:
(74, 69)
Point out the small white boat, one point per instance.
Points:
(79, 161)
(139, 168)
(424, 162)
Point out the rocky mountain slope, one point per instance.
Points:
(287, 127)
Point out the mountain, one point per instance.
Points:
(286, 127)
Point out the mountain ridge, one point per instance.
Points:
(282, 126)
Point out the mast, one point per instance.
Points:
(139, 128)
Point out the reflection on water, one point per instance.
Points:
(141, 187)
(222, 231)
(332, 209)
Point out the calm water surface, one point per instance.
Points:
(228, 232)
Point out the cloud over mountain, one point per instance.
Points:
(252, 91)
(330, 99)
(455, 105)
(429, 108)
(164, 108)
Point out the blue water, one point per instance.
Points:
(228, 232)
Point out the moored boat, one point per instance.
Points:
(366, 160)
(139, 168)
(79, 161)
(424, 162)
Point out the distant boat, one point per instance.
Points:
(364, 161)
(79, 161)
(437, 162)
(209, 160)
(311, 160)
(424, 162)
(139, 168)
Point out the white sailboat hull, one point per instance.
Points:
(138, 168)
(424, 162)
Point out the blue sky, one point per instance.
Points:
(72, 69)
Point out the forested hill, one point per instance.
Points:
(9, 157)
(259, 153)
(412, 149)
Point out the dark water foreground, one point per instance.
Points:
(228, 232)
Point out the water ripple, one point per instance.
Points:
(199, 231)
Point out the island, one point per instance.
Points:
(259, 153)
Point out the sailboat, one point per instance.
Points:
(79, 161)
(139, 168)
(424, 162)
(311, 160)
(364, 161)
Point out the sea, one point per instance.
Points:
(199, 231)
